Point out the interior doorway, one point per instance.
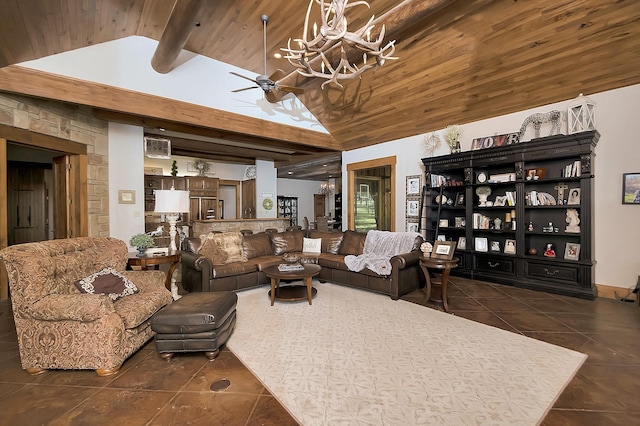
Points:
(370, 195)
(67, 190)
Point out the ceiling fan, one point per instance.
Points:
(269, 84)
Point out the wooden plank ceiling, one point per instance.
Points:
(460, 61)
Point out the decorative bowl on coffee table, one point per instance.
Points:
(290, 258)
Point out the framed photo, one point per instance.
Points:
(412, 225)
(572, 251)
(443, 223)
(574, 197)
(413, 207)
(459, 222)
(441, 238)
(510, 246)
(631, 188)
(500, 201)
(443, 250)
(495, 246)
(462, 243)
(460, 199)
(413, 185)
(481, 244)
(126, 196)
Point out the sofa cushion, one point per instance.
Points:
(256, 245)
(352, 243)
(331, 241)
(212, 251)
(107, 281)
(235, 268)
(286, 242)
(231, 242)
(311, 245)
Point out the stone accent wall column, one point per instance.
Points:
(74, 123)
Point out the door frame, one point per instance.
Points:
(369, 164)
(75, 150)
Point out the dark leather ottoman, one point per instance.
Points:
(197, 322)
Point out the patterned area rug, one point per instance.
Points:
(355, 357)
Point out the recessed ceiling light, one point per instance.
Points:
(289, 173)
(324, 165)
(277, 55)
(162, 129)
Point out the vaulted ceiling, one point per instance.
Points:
(459, 61)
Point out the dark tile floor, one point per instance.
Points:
(150, 391)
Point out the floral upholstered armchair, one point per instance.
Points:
(62, 321)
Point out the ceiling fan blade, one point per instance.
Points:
(242, 76)
(246, 88)
(272, 97)
(295, 90)
(277, 75)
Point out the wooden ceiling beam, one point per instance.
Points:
(220, 149)
(223, 136)
(182, 21)
(30, 82)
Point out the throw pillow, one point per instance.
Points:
(230, 242)
(311, 245)
(107, 281)
(211, 250)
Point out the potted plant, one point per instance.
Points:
(141, 242)
(452, 136)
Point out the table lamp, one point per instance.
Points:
(172, 202)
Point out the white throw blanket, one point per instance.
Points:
(379, 248)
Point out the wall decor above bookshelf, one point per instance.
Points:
(517, 201)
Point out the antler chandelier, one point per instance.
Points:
(318, 57)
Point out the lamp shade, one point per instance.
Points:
(172, 201)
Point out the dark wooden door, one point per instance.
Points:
(319, 206)
(26, 204)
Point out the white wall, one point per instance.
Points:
(221, 170)
(126, 164)
(266, 188)
(618, 151)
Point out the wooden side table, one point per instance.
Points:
(173, 257)
(443, 265)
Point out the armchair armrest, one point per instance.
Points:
(74, 307)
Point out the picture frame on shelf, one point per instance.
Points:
(574, 197)
(460, 199)
(441, 237)
(459, 222)
(481, 244)
(631, 188)
(510, 246)
(572, 251)
(443, 223)
(413, 208)
(500, 201)
(413, 185)
(443, 250)
(495, 246)
(462, 243)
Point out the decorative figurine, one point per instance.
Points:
(573, 221)
(550, 251)
(530, 226)
(483, 192)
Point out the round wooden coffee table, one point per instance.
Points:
(291, 293)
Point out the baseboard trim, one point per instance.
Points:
(609, 292)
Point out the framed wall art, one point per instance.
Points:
(631, 188)
(126, 196)
(412, 225)
(481, 244)
(413, 208)
(413, 185)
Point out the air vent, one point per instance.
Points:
(157, 147)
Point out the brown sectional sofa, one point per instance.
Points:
(266, 249)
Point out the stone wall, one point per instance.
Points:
(76, 124)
